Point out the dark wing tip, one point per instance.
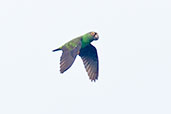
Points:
(93, 77)
(62, 72)
(93, 80)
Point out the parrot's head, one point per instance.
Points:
(94, 35)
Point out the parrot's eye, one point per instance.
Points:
(92, 33)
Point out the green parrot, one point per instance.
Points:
(81, 46)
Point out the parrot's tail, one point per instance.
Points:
(56, 49)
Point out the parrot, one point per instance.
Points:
(81, 46)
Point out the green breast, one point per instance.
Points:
(84, 44)
(86, 40)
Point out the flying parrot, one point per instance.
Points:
(81, 46)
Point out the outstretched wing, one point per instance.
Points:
(90, 60)
(70, 51)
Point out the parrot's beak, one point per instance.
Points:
(96, 37)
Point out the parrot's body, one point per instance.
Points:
(81, 46)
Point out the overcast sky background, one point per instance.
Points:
(134, 51)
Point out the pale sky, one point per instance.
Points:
(134, 51)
